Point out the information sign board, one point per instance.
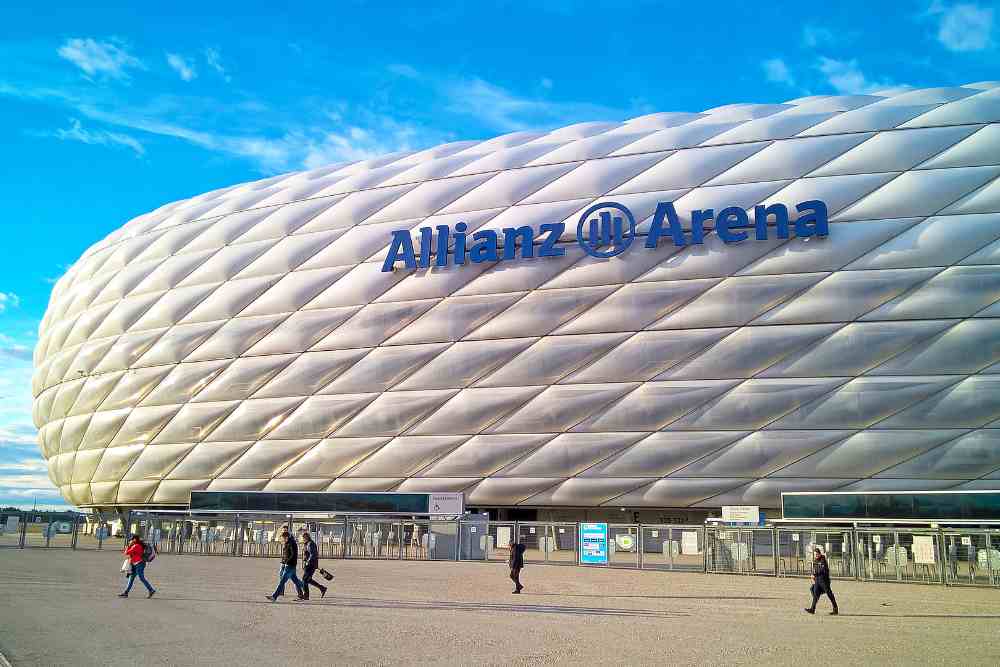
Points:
(594, 543)
(923, 549)
(741, 514)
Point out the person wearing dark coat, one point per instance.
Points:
(516, 562)
(310, 563)
(289, 561)
(821, 582)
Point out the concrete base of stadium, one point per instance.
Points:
(60, 607)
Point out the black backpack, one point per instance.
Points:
(148, 553)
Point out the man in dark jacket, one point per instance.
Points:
(516, 562)
(289, 561)
(310, 563)
(821, 582)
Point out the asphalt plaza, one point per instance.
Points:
(60, 607)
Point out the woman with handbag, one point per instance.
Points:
(135, 557)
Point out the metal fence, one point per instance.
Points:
(947, 556)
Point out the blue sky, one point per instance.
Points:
(108, 113)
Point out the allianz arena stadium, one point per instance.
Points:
(680, 311)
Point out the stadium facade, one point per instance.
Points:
(584, 320)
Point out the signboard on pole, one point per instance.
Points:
(923, 549)
(12, 522)
(742, 514)
(445, 503)
(594, 543)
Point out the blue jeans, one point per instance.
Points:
(138, 570)
(286, 573)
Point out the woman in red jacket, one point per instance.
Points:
(134, 551)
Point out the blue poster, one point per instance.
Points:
(594, 543)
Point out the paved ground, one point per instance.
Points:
(59, 607)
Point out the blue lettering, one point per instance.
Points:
(401, 248)
(484, 248)
(665, 210)
(460, 248)
(510, 238)
(760, 216)
(426, 236)
(729, 219)
(441, 251)
(813, 224)
(549, 247)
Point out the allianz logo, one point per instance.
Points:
(604, 230)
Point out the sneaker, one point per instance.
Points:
(810, 611)
(322, 592)
(271, 598)
(834, 613)
(515, 592)
(123, 595)
(150, 594)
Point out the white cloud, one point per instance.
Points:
(813, 36)
(182, 66)
(507, 112)
(76, 132)
(777, 71)
(404, 70)
(99, 58)
(964, 27)
(847, 78)
(214, 60)
(9, 300)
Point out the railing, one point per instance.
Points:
(946, 556)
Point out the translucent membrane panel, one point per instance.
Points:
(561, 407)
(761, 453)
(463, 363)
(551, 358)
(333, 457)
(485, 454)
(659, 454)
(405, 455)
(265, 459)
(254, 419)
(310, 372)
(654, 405)
(868, 453)
(570, 453)
(646, 354)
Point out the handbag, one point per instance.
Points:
(126, 566)
(326, 575)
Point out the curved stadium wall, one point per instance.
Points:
(248, 338)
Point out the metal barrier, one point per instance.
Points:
(672, 548)
(740, 551)
(950, 556)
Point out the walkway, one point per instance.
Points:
(59, 607)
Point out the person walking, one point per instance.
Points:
(289, 561)
(136, 551)
(516, 562)
(821, 582)
(310, 563)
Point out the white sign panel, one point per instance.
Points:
(12, 522)
(689, 543)
(741, 513)
(503, 536)
(923, 549)
(446, 503)
(966, 541)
